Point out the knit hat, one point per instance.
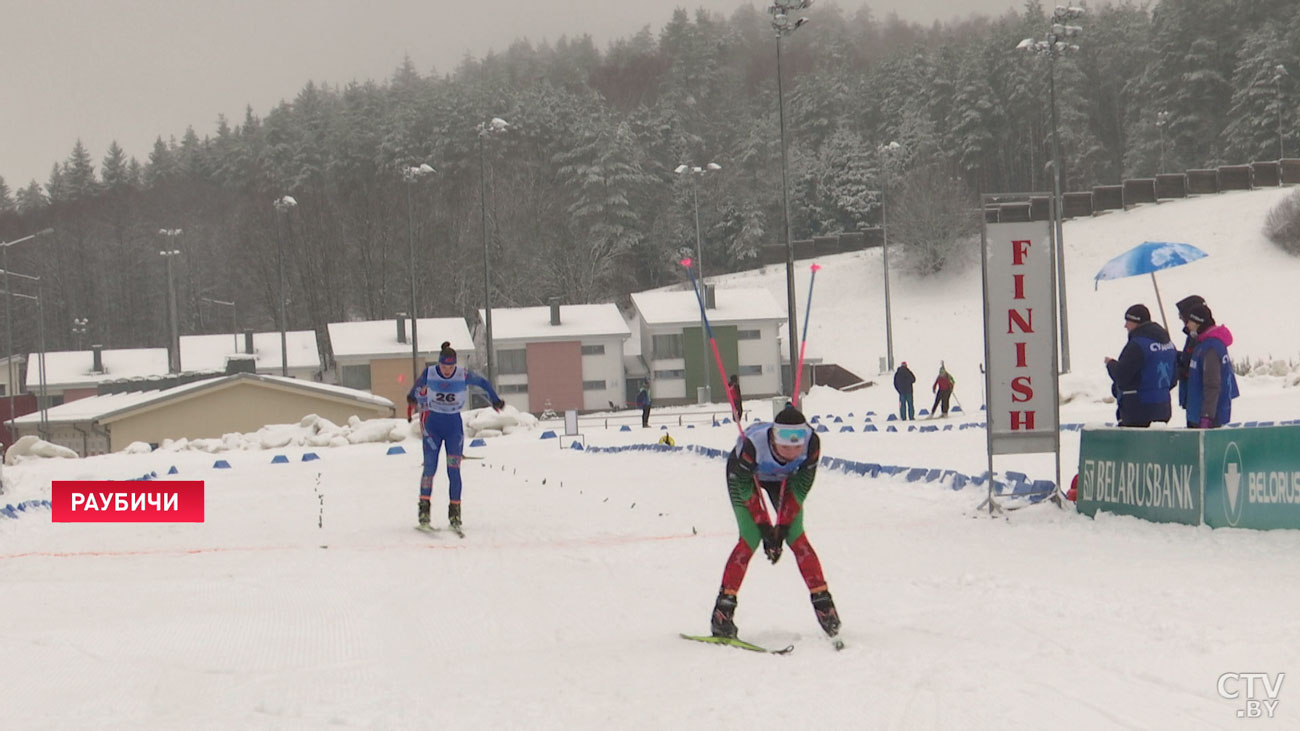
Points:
(1201, 315)
(1138, 314)
(448, 354)
(1186, 304)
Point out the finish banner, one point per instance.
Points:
(130, 501)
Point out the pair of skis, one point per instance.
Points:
(836, 642)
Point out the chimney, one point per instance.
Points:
(710, 300)
(97, 354)
(248, 342)
(555, 311)
(401, 327)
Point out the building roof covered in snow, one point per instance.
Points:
(379, 337)
(209, 352)
(576, 322)
(682, 307)
(75, 368)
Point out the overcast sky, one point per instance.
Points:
(130, 70)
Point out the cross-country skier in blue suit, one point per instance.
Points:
(440, 394)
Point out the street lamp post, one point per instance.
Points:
(42, 396)
(9, 318)
(283, 205)
(887, 153)
(174, 343)
(695, 172)
(79, 328)
(783, 26)
(234, 317)
(1052, 46)
(1162, 121)
(412, 174)
(494, 126)
(1279, 73)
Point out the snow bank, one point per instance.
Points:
(33, 447)
(314, 430)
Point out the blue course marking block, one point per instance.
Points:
(173, 470)
(221, 464)
(870, 427)
(821, 428)
(845, 428)
(577, 445)
(891, 428)
(396, 449)
(310, 457)
(478, 443)
(279, 459)
(625, 427)
(548, 434)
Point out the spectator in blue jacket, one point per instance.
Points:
(1211, 382)
(643, 401)
(1145, 371)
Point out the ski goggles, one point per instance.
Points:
(791, 435)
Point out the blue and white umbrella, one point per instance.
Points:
(1149, 257)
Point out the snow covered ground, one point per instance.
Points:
(306, 600)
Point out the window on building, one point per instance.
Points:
(355, 376)
(512, 362)
(593, 385)
(752, 370)
(749, 334)
(593, 350)
(670, 375)
(513, 388)
(667, 346)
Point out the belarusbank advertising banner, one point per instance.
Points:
(1252, 477)
(1151, 474)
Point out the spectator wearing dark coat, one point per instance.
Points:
(643, 401)
(1211, 382)
(904, 378)
(1144, 372)
(1185, 306)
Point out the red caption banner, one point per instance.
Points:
(131, 501)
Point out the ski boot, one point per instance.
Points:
(424, 513)
(723, 621)
(453, 515)
(827, 617)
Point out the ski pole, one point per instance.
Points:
(717, 359)
(803, 340)
(717, 356)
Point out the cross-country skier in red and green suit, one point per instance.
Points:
(781, 457)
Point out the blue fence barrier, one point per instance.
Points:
(26, 507)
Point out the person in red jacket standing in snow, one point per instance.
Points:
(942, 389)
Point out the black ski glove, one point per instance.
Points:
(773, 541)
(498, 404)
